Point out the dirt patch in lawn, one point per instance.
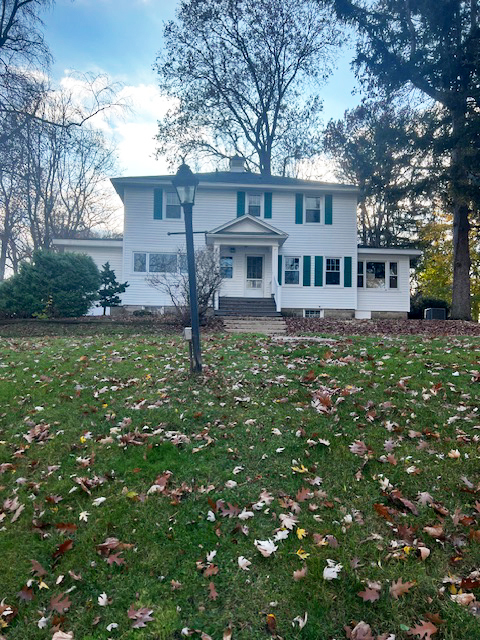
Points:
(98, 325)
(296, 326)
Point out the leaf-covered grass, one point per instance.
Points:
(121, 411)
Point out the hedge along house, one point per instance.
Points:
(290, 241)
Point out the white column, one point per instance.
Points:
(274, 260)
(276, 288)
(216, 251)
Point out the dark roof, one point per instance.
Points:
(243, 178)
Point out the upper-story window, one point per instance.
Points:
(173, 208)
(254, 204)
(313, 209)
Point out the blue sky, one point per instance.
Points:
(122, 39)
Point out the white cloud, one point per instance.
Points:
(132, 129)
(135, 132)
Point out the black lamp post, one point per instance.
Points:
(185, 184)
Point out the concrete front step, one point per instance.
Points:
(247, 307)
(268, 326)
(247, 312)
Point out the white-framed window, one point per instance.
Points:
(291, 270)
(162, 262)
(182, 263)
(376, 275)
(144, 262)
(254, 204)
(313, 209)
(360, 273)
(173, 208)
(393, 280)
(312, 313)
(226, 267)
(332, 271)
(140, 262)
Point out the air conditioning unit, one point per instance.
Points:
(435, 314)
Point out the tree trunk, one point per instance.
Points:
(3, 255)
(265, 162)
(363, 219)
(461, 303)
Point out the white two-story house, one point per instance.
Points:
(293, 241)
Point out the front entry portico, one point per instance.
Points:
(247, 248)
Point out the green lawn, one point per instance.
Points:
(390, 448)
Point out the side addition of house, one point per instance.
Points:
(290, 241)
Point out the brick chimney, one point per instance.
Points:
(237, 164)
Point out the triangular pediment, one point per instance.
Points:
(248, 225)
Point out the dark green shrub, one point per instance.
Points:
(142, 313)
(418, 304)
(52, 285)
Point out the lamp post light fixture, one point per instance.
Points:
(185, 184)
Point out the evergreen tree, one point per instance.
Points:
(378, 146)
(109, 288)
(432, 48)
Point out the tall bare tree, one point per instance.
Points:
(66, 172)
(242, 75)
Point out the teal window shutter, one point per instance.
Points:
(157, 204)
(328, 209)
(307, 271)
(240, 203)
(347, 272)
(268, 205)
(318, 271)
(279, 269)
(298, 208)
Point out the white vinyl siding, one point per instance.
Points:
(217, 206)
(386, 298)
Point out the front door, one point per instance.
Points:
(254, 282)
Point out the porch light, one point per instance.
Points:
(185, 184)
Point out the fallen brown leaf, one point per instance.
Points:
(399, 588)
